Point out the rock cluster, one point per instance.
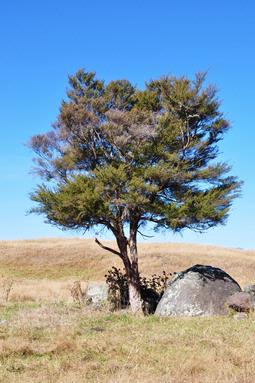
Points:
(200, 290)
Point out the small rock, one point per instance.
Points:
(249, 289)
(240, 316)
(240, 302)
(97, 329)
(96, 293)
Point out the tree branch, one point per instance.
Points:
(154, 220)
(145, 236)
(107, 248)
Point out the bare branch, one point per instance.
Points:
(145, 236)
(154, 220)
(107, 248)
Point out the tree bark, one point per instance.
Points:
(136, 303)
(135, 298)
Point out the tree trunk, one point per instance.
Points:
(135, 298)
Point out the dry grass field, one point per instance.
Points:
(45, 337)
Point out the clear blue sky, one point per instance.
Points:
(44, 41)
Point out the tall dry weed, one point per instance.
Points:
(6, 285)
(76, 293)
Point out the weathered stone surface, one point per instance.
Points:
(96, 293)
(240, 302)
(249, 289)
(198, 291)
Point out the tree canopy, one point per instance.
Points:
(121, 157)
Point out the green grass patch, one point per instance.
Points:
(9, 309)
(60, 272)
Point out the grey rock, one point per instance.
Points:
(249, 289)
(96, 293)
(198, 291)
(240, 316)
(240, 302)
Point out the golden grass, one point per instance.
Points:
(44, 337)
(63, 344)
(65, 259)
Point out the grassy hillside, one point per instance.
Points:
(82, 258)
(45, 337)
(45, 269)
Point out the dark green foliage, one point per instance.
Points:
(115, 150)
(152, 289)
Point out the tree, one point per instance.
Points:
(120, 157)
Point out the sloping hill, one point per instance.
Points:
(82, 258)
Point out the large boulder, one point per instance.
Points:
(198, 291)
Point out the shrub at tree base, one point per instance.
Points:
(152, 289)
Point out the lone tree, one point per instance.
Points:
(120, 157)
